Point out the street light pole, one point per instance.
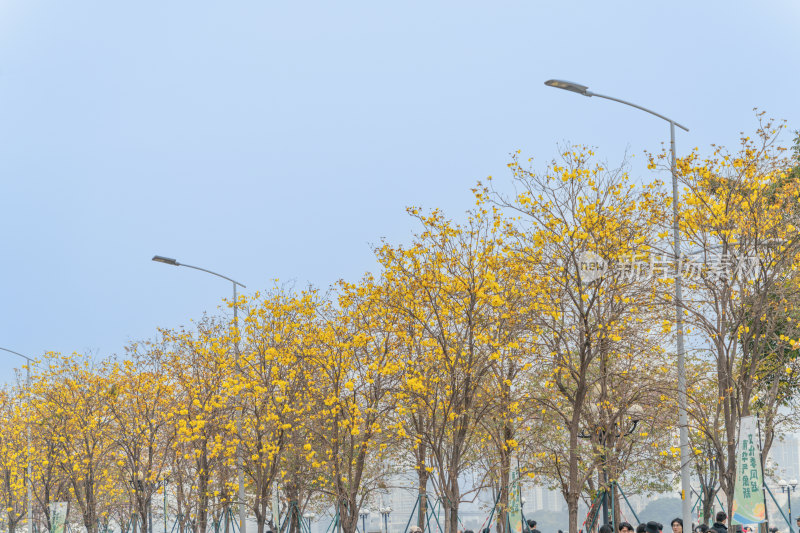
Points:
(166, 482)
(27, 455)
(788, 488)
(683, 419)
(385, 512)
(240, 471)
(309, 517)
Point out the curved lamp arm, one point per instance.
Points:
(584, 90)
(19, 354)
(174, 262)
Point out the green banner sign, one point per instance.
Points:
(514, 505)
(58, 516)
(748, 495)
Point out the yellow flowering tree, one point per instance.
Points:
(13, 458)
(581, 229)
(141, 426)
(739, 219)
(202, 365)
(278, 332)
(352, 370)
(444, 287)
(69, 397)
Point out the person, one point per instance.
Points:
(677, 525)
(625, 527)
(655, 527)
(605, 528)
(532, 526)
(641, 528)
(415, 529)
(719, 524)
(702, 528)
(798, 524)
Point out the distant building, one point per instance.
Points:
(539, 498)
(784, 457)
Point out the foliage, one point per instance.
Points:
(481, 346)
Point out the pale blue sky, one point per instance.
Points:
(278, 140)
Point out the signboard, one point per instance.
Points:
(276, 507)
(514, 505)
(748, 494)
(58, 517)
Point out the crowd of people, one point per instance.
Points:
(676, 525)
(719, 526)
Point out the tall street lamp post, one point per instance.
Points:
(788, 488)
(166, 483)
(683, 421)
(309, 517)
(363, 514)
(240, 472)
(385, 511)
(30, 479)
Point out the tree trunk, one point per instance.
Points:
(708, 504)
(202, 489)
(348, 515)
(505, 480)
(260, 508)
(422, 489)
(573, 490)
(572, 511)
(450, 505)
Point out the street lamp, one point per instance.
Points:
(239, 470)
(309, 517)
(30, 477)
(363, 514)
(385, 511)
(164, 484)
(683, 421)
(788, 488)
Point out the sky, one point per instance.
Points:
(282, 140)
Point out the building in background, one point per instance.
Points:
(539, 498)
(784, 458)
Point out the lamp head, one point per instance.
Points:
(636, 412)
(569, 86)
(782, 483)
(165, 260)
(793, 483)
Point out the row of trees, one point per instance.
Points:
(480, 347)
